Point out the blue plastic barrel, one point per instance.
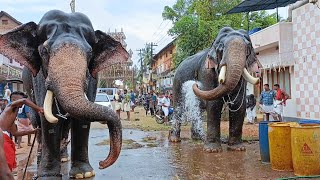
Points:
(264, 141)
(309, 122)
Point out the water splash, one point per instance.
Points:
(191, 109)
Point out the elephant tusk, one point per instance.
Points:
(222, 74)
(86, 96)
(47, 107)
(249, 78)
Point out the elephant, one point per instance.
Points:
(219, 76)
(62, 55)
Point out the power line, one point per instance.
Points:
(160, 32)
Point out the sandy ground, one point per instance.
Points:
(138, 121)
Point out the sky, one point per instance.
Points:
(141, 20)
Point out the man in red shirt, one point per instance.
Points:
(280, 100)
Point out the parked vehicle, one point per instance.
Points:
(103, 99)
(109, 91)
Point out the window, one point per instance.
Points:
(5, 22)
(282, 78)
(170, 51)
(166, 54)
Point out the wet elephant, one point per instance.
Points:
(221, 73)
(63, 54)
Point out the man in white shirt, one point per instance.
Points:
(165, 107)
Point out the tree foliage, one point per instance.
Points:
(197, 22)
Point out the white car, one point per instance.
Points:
(103, 99)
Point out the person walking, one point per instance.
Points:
(266, 101)
(132, 100)
(7, 92)
(117, 102)
(126, 103)
(251, 108)
(165, 108)
(280, 100)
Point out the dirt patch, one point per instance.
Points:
(147, 123)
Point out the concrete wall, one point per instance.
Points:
(5, 28)
(306, 40)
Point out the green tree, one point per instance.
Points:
(197, 22)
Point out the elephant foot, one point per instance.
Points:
(236, 147)
(64, 155)
(174, 137)
(81, 171)
(212, 147)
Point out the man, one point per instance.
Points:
(266, 101)
(126, 103)
(133, 100)
(280, 100)
(154, 100)
(117, 102)
(7, 125)
(251, 108)
(165, 108)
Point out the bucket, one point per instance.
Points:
(280, 145)
(305, 143)
(264, 141)
(309, 122)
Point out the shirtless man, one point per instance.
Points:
(7, 125)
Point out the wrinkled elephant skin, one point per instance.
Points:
(221, 70)
(62, 55)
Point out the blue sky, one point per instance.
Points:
(141, 20)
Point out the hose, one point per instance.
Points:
(299, 177)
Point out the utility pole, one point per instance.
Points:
(141, 68)
(151, 52)
(73, 6)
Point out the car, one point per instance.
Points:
(103, 99)
(110, 91)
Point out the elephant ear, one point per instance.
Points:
(106, 52)
(21, 45)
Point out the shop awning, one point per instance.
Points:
(256, 5)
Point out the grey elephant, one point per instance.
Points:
(63, 54)
(219, 75)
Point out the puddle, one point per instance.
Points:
(158, 159)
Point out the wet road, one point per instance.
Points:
(148, 155)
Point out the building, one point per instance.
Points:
(290, 55)
(123, 72)
(10, 71)
(163, 68)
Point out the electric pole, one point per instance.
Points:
(73, 6)
(151, 52)
(141, 68)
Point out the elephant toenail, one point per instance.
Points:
(79, 176)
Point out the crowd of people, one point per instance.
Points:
(153, 102)
(271, 102)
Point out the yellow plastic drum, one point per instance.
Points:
(280, 146)
(305, 143)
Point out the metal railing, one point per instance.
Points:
(10, 73)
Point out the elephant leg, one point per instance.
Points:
(213, 141)
(80, 166)
(66, 125)
(50, 158)
(235, 129)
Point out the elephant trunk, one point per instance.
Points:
(232, 64)
(67, 73)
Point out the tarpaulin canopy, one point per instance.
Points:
(256, 5)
